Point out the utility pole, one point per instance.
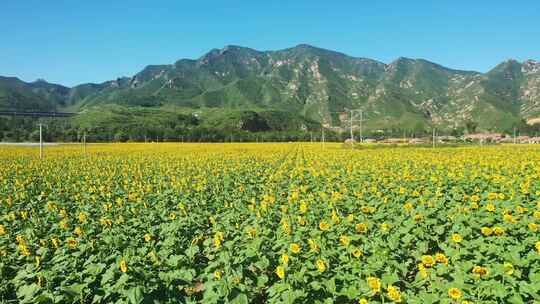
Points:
(322, 130)
(361, 119)
(40, 141)
(323, 134)
(351, 122)
(515, 139)
(84, 142)
(434, 140)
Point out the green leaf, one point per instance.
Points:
(515, 299)
(26, 292)
(121, 281)
(389, 279)
(250, 252)
(289, 296)
(74, 290)
(135, 295)
(192, 251)
(108, 275)
(330, 285)
(94, 269)
(262, 280)
(43, 298)
(240, 299)
(498, 290)
(315, 285)
(174, 260)
(534, 277)
(428, 298)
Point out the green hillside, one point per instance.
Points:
(40, 95)
(311, 85)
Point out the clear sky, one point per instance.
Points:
(72, 42)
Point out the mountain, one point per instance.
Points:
(38, 95)
(312, 83)
(304, 79)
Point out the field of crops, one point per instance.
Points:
(269, 223)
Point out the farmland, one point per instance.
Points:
(269, 223)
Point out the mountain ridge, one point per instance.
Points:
(262, 51)
(316, 83)
(302, 45)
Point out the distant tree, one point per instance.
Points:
(457, 131)
(120, 136)
(471, 126)
(34, 135)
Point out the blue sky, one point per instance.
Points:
(72, 42)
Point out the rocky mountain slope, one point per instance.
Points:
(314, 83)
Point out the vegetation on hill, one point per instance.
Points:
(241, 91)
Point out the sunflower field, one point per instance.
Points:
(269, 223)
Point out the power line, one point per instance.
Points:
(352, 119)
(40, 141)
(355, 115)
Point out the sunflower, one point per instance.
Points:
(374, 284)
(82, 217)
(295, 248)
(321, 265)
(323, 225)
(361, 227)
(394, 294)
(303, 206)
(422, 270)
(285, 259)
(498, 231)
(313, 245)
(123, 266)
(454, 293)
(479, 270)
(344, 240)
(72, 243)
(428, 260)
(456, 238)
(55, 242)
(356, 252)
(486, 231)
(508, 268)
(78, 231)
(280, 272)
(408, 206)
